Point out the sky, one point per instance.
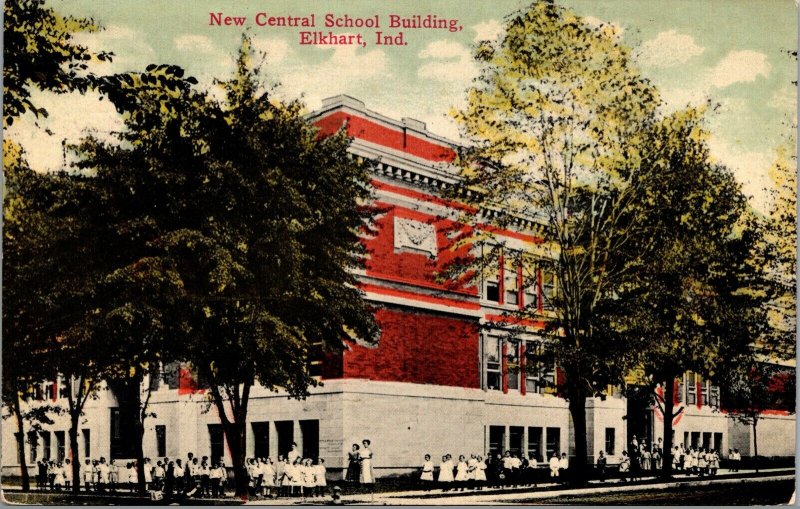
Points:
(733, 52)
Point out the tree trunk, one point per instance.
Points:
(234, 429)
(235, 436)
(138, 452)
(134, 388)
(23, 463)
(666, 454)
(755, 443)
(74, 451)
(578, 471)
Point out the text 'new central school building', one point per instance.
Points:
(439, 382)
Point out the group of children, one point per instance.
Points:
(94, 475)
(465, 473)
(291, 476)
(500, 470)
(697, 461)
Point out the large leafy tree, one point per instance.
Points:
(696, 300)
(39, 53)
(52, 263)
(250, 225)
(558, 120)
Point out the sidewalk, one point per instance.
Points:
(433, 496)
(540, 491)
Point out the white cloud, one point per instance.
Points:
(348, 70)
(750, 168)
(669, 49)
(70, 117)
(735, 67)
(739, 66)
(784, 99)
(130, 51)
(444, 49)
(487, 30)
(276, 49)
(195, 43)
(447, 61)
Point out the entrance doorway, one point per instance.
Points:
(639, 414)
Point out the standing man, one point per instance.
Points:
(658, 454)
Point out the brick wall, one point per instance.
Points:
(405, 266)
(420, 348)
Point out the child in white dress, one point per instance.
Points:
(461, 473)
(446, 472)
(427, 470)
(321, 477)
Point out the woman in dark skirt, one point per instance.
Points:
(353, 465)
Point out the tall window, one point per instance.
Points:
(61, 446)
(530, 285)
(33, 443)
(691, 389)
(553, 441)
(87, 443)
(20, 439)
(285, 431)
(539, 372)
(491, 363)
(497, 439)
(548, 288)
(309, 431)
(493, 291)
(713, 396)
(46, 445)
(217, 440)
(63, 388)
(515, 435)
(535, 442)
(161, 440)
(512, 365)
(611, 443)
(510, 281)
(491, 283)
(261, 439)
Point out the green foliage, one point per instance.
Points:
(38, 52)
(557, 118)
(234, 225)
(696, 298)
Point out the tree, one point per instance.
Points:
(18, 363)
(696, 299)
(39, 52)
(251, 223)
(779, 342)
(50, 270)
(557, 122)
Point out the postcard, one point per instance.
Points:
(445, 253)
